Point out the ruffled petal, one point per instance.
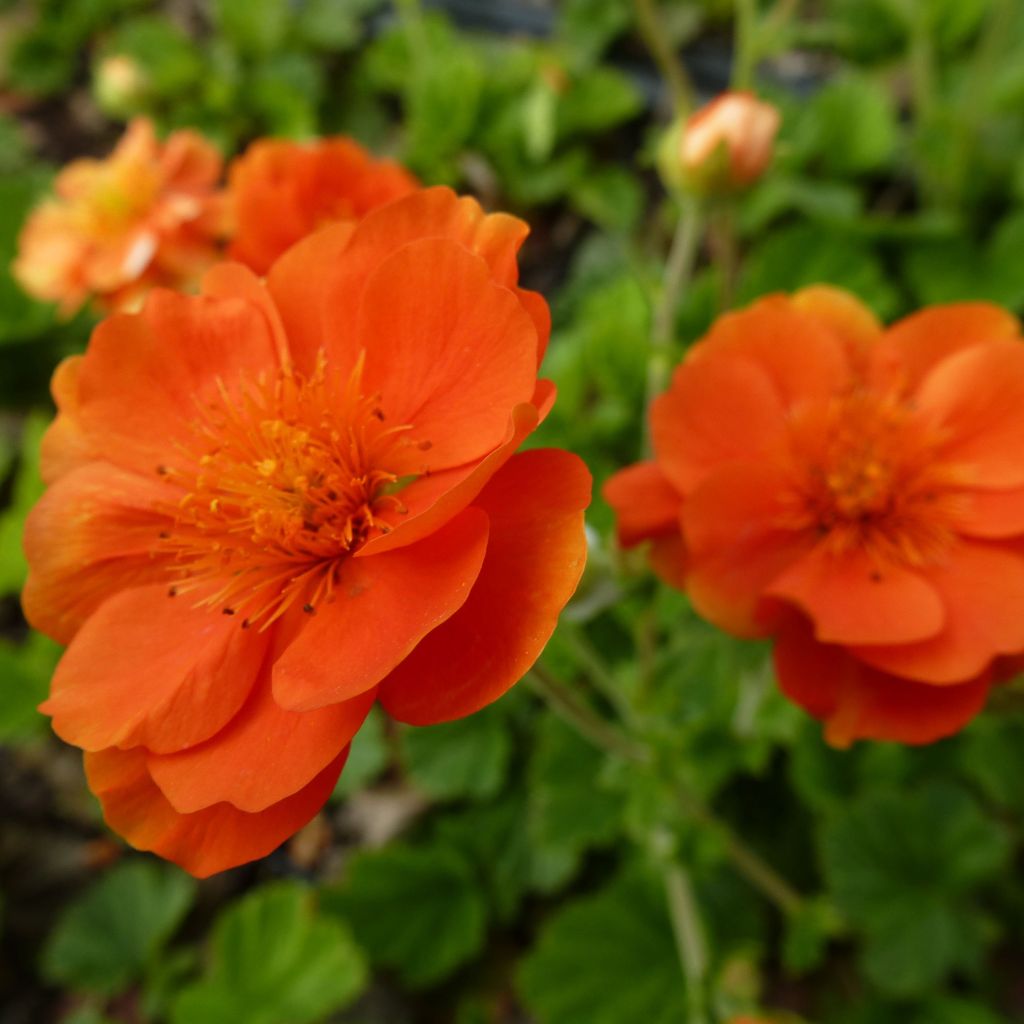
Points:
(91, 535)
(264, 755)
(646, 505)
(64, 446)
(450, 352)
(857, 701)
(738, 542)
(975, 398)
(854, 599)
(144, 376)
(914, 346)
(982, 590)
(844, 315)
(211, 840)
(150, 670)
(383, 608)
(535, 558)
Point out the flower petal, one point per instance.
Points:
(737, 543)
(91, 535)
(150, 670)
(261, 757)
(535, 558)
(991, 514)
(450, 352)
(144, 375)
(731, 396)
(914, 346)
(64, 446)
(383, 607)
(844, 315)
(854, 599)
(976, 398)
(645, 503)
(859, 702)
(211, 840)
(982, 590)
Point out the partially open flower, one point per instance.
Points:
(854, 491)
(280, 191)
(149, 214)
(275, 503)
(722, 148)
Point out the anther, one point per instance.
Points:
(309, 609)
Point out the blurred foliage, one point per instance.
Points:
(507, 861)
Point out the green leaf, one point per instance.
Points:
(333, 25)
(28, 487)
(465, 758)
(106, 939)
(25, 672)
(417, 909)
(903, 868)
(597, 101)
(367, 758)
(275, 960)
(607, 959)
(609, 196)
(254, 26)
(802, 254)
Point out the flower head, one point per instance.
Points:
(856, 492)
(724, 147)
(275, 503)
(280, 191)
(147, 215)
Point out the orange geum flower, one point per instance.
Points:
(274, 503)
(858, 493)
(280, 191)
(149, 214)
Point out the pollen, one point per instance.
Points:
(286, 477)
(871, 476)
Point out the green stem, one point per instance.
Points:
(745, 52)
(725, 254)
(655, 38)
(605, 736)
(682, 257)
(690, 941)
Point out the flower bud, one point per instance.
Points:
(119, 85)
(721, 149)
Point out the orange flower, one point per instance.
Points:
(854, 491)
(147, 215)
(724, 147)
(281, 191)
(275, 503)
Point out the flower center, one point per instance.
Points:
(282, 483)
(872, 478)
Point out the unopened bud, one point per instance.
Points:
(721, 149)
(120, 84)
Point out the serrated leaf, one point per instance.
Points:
(417, 909)
(607, 959)
(105, 939)
(275, 960)
(465, 758)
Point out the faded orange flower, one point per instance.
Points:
(855, 492)
(275, 503)
(280, 191)
(149, 214)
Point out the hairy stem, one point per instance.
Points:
(652, 32)
(691, 944)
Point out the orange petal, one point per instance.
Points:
(667, 557)
(91, 535)
(645, 503)
(982, 589)
(845, 315)
(234, 281)
(434, 499)
(853, 599)
(860, 702)
(210, 840)
(450, 352)
(261, 757)
(150, 670)
(738, 542)
(64, 446)
(535, 557)
(144, 376)
(914, 346)
(731, 396)
(991, 514)
(976, 399)
(383, 608)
